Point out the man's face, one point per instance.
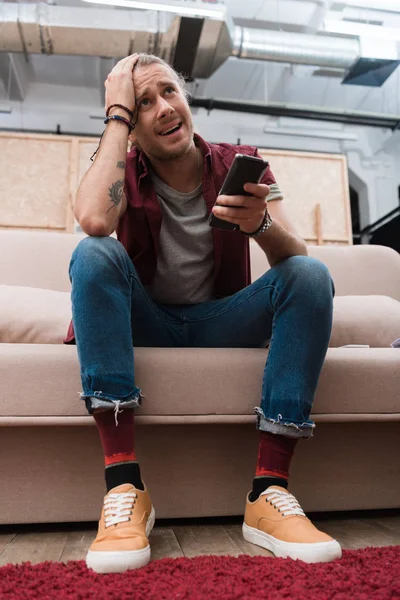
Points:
(164, 130)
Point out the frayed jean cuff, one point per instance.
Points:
(279, 426)
(97, 399)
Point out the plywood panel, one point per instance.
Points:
(86, 149)
(41, 173)
(34, 182)
(308, 179)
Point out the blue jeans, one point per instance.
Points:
(290, 306)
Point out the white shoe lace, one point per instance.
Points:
(118, 508)
(286, 503)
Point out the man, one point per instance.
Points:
(171, 280)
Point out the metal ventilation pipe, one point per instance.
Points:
(196, 46)
(297, 48)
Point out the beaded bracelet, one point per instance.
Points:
(115, 118)
(122, 119)
(125, 108)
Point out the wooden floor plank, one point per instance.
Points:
(235, 533)
(5, 540)
(173, 540)
(196, 540)
(389, 525)
(162, 540)
(355, 533)
(34, 547)
(77, 544)
(164, 543)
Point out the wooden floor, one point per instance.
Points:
(189, 537)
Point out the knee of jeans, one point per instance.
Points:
(93, 253)
(93, 247)
(310, 271)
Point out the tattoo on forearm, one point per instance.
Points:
(121, 164)
(116, 193)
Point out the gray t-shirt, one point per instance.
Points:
(185, 263)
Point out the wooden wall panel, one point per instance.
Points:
(40, 175)
(308, 180)
(34, 178)
(86, 149)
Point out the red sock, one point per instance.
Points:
(117, 440)
(274, 455)
(118, 447)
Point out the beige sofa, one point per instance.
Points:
(196, 437)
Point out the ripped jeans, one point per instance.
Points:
(290, 307)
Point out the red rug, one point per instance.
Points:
(368, 574)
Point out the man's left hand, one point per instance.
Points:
(246, 211)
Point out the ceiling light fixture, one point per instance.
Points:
(379, 5)
(361, 29)
(188, 9)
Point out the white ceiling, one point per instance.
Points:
(236, 78)
(66, 70)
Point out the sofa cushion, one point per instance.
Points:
(371, 320)
(39, 316)
(32, 315)
(44, 380)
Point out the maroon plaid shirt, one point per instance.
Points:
(139, 227)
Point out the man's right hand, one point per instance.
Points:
(119, 84)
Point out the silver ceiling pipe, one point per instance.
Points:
(51, 29)
(297, 48)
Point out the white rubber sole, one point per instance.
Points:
(120, 561)
(310, 553)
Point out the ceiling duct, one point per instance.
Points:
(194, 46)
(298, 48)
(363, 62)
(46, 29)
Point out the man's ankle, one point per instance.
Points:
(128, 472)
(260, 484)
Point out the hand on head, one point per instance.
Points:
(119, 83)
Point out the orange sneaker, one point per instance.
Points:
(276, 521)
(122, 541)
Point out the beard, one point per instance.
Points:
(173, 154)
(161, 153)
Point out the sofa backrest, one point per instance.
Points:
(41, 259)
(36, 259)
(356, 270)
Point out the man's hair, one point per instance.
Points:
(150, 59)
